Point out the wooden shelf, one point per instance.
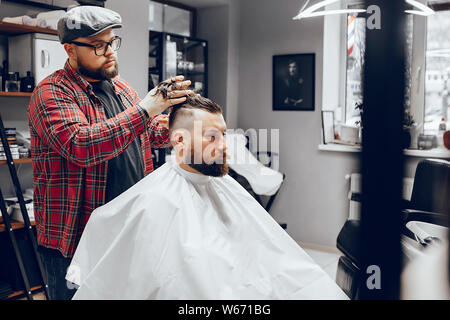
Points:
(22, 292)
(14, 29)
(18, 161)
(14, 224)
(15, 94)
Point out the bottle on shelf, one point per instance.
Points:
(4, 75)
(12, 83)
(441, 131)
(27, 83)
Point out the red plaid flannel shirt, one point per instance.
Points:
(71, 143)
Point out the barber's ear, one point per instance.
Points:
(70, 49)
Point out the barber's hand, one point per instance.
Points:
(154, 102)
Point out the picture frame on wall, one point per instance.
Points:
(294, 82)
(328, 131)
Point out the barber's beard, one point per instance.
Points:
(214, 169)
(100, 73)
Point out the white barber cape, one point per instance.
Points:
(181, 235)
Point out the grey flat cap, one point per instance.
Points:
(86, 21)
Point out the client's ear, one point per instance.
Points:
(177, 139)
(180, 139)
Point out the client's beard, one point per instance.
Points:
(213, 169)
(100, 73)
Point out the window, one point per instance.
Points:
(356, 31)
(437, 71)
(427, 73)
(355, 62)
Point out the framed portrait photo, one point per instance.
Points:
(293, 82)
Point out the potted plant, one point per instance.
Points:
(359, 106)
(410, 128)
(409, 131)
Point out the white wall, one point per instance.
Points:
(333, 64)
(233, 63)
(133, 54)
(220, 25)
(212, 25)
(313, 200)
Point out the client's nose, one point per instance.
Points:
(222, 144)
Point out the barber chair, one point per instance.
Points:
(254, 172)
(425, 222)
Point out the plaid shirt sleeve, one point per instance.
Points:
(159, 134)
(59, 120)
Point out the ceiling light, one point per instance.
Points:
(423, 10)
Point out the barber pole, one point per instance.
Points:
(350, 34)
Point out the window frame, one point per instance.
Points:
(418, 67)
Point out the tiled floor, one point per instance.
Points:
(326, 258)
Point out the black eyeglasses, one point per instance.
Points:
(101, 48)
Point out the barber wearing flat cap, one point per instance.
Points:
(91, 136)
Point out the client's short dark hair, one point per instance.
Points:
(195, 101)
